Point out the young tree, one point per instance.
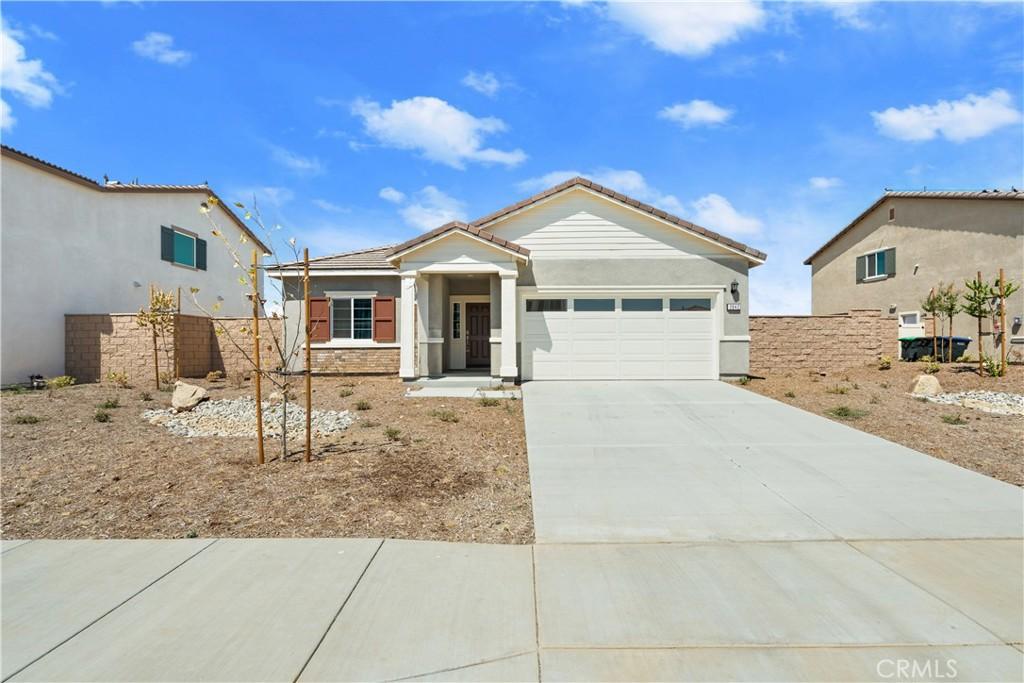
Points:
(930, 304)
(285, 344)
(978, 305)
(160, 318)
(950, 306)
(1001, 291)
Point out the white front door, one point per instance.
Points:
(620, 336)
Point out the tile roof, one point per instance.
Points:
(464, 227)
(374, 258)
(917, 194)
(114, 186)
(629, 201)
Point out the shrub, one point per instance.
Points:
(363, 405)
(489, 402)
(744, 380)
(16, 389)
(932, 368)
(836, 389)
(118, 379)
(369, 424)
(214, 376)
(60, 382)
(990, 365)
(392, 433)
(110, 404)
(953, 420)
(445, 415)
(790, 394)
(966, 358)
(25, 419)
(885, 363)
(145, 396)
(167, 378)
(925, 359)
(101, 416)
(846, 413)
(345, 393)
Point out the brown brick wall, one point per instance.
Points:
(231, 348)
(356, 361)
(821, 342)
(192, 342)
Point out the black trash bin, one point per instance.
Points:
(914, 348)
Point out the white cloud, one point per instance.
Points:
(689, 29)
(390, 194)
(431, 208)
(696, 113)
(626, 181)
(849, 14)
(295, 162)
(974, 116)
(714, 211)
(328, 206)
(265, 195)
(824, 183)
(160, 48)
(25, 78)
(485, 83)
(437, 130)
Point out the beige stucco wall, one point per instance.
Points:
(946, 239)
(68, 248)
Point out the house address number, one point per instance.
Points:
(732, 308)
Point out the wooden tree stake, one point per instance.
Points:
(935, 342)
(256, 356)
(177, 322)
(981, 346)
(156, 354)
(309, 364)
(1002, 324)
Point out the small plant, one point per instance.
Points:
(990, 366)
(932, 368)
(167, 379)
(445, 415)
(885, 363)
(363, 405)
(925, 359)
(16, 389)
(884, 385)
(837, 389)
(118, 379)
(369, 424)
(874, 400)
(846, 413)
(487, 402)
(60, 382)
(101, 416)
(214, 376)
(790, 394)
(110, 404)
(236, 380)
(744, 380)
(145, 396)
(921, 399)
(966, 358)
(954, 420)
(392, 433)
(345, 393)
(25, 419)
(192, 534)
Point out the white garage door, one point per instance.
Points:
(619, 337)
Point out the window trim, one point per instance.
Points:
(711, 304)
(867, 261)
(660, 300)
(594, 298)
(195, 241)
(351, 339)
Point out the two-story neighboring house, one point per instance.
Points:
(905, 243)
(72, 245)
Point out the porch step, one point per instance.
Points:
(458, 382)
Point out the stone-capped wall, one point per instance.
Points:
(95, 345)
(821, 342)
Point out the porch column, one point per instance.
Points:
(423, 324)
(495, 340)
(508, 326)
(407, 329)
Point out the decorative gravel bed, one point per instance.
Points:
(998, 402)
(237, 417)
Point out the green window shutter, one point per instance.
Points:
(166, 244)
(862, 264)
(890, 262)
(200, 254)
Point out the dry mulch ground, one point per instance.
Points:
(986, 443)
(68, 476)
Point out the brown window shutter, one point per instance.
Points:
(384, 319)
(320, 319)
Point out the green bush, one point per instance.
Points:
(110, 404)
(369, 424)
(489, 402)
(345, 393)
(445, 415)
(953, 420)
(101, 416)
(744, 380)
(145, 396)
(392, 433)
(25, 419)
(363, 405)
(790, 394)
(60, 382)
(846, 413)
(118, 379)
(990, 365)
(885, 363)
(837, 389)
(932, 367)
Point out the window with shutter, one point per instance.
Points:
(201, 254)
(319, 320)
(384, 319)
(877, 265)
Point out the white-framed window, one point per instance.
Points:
(910, 318)
(352, 318)
(874, 265)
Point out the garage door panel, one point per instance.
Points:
(618, 344)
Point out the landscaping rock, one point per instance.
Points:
(996, 402)
(237, 417)
(926, 385)
(187, 396)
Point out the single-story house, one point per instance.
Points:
(73, 245)
(907, 242)
(576, 282)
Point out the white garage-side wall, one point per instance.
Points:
(68, 248)
(579, 239)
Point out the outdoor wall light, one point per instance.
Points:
(735, 288)
(136, 283)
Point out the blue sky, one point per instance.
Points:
(357, 124)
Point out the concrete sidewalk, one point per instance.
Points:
(355, 609)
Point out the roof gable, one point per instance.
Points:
(461, 229)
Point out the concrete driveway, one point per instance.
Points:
(698, 461)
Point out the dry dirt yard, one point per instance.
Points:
(69, 476)
(984, 442)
